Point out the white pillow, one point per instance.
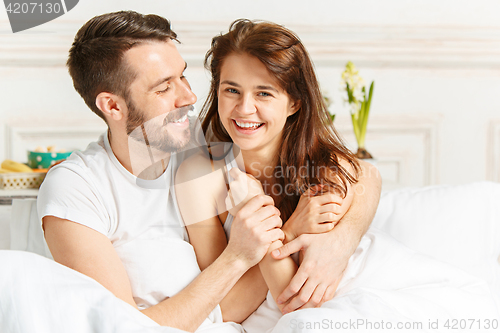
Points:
(457, 224)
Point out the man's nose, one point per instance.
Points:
(185, 95)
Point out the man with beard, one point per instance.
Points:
(110, 213)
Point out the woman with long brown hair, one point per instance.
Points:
(265, 99)
(307, 140)
(266, 107)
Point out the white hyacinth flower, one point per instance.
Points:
(358, 101)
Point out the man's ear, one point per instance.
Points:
(111, 105)
(294, 108)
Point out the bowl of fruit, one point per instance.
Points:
(44, 158)
(15, 175)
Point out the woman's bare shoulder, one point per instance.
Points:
(347, 165)
(198, 169)
(194, 166)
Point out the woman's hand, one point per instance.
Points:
(255, 227)
(243, 188)
(315, 213)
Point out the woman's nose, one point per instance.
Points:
(246, 105)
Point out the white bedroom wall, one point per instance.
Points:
(435, 115)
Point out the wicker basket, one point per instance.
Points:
(21, 180)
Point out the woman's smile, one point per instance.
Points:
(246, 127)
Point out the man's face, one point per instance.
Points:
(160, 96)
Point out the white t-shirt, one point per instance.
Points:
(140, 217)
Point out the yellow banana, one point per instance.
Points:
(12, 166)
(4, 171)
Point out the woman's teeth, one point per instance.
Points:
(180, 120)
(248, 125)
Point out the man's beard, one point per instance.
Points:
(154, 131)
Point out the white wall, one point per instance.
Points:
(435, 115)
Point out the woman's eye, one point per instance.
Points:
(264, 94)
(232, 90)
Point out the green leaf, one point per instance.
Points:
(370, 96)
(366, 112)
(350, 96)
(360, 115)
(355, 126)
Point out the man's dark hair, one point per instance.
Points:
(95, 59)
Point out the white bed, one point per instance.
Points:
(457, 225)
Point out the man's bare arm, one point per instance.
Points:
(92, 254)
(365, 202)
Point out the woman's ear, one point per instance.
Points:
(294, 107)
(111, 105)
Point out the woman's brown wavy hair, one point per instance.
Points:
(309, 140)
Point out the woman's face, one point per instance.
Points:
(252, 106)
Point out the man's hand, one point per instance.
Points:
(314, 214)
(324, 260)
(254, 228)
(325, 255)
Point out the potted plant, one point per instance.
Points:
(359, 105)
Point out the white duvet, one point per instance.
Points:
(385, 287)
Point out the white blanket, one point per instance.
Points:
(42, 296)
(385, 284)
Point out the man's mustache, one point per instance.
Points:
(152, 126)
(177, 114)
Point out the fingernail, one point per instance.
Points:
(279, 301)
(276, 253)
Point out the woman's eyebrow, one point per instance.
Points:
(231, 83)
(267, 88)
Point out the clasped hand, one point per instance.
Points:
(257, 221)
(256, 225)
(315, 213)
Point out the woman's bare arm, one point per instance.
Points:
(326, 255)
(277, 273)
(314, 214)
(200, 197)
